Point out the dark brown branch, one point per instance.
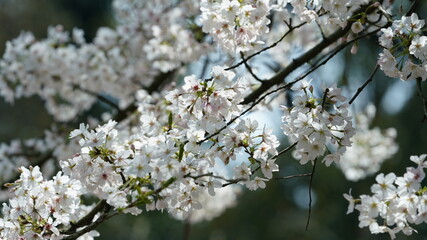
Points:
(325, 95)
(158, 81)
(320, 62)
(86, 220)
(323, 60)
(360, 89)
(290, 84)
(104, 216)
(298, 62)
(423, 98)
(413, 7)
(309, 194)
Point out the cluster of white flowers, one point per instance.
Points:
(396, 203)
(169, 37)
(312, 123)
(213, 206)
(370, 148)
(34, 151)
(329, 14)
(311, 21)
(164, 161)
(238, 26)
(39, 207)
(204, 107)
(405, 49)
(167, 154)
(67, 72)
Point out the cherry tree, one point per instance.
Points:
(179, 133)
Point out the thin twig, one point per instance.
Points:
(205, 66)
(291, 28)
(360, 89)
(309, 194)
(412, 8)
(325, 95)
(321, 30)
(99, 97)
(423, 98)
(249, 68)
(284, 151)
(37, 162)
(293, 176)
(105, 209)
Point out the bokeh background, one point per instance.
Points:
(281, 210)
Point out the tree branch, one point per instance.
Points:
(298, 62)
(249, 68)
(423, 98)
(294, 176)
(309, 194)
(360, 89)
(158, 81)
(86, 220)
(99, 97)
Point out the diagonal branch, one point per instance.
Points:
(360, 89)
(291, 29)
(86, 220)
(98, 96)
(298, 62)
(290, 84)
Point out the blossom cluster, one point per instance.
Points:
(40, 208)
(164, 162)
(185, 148)
(370, 148)
(43, 151)
(238, 26)
(329, 14)
(168, 161)
(205, 107)
(69, 73)
(313, 123)
(405, 49)
(396, 203)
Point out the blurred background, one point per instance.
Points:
(281, 210)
